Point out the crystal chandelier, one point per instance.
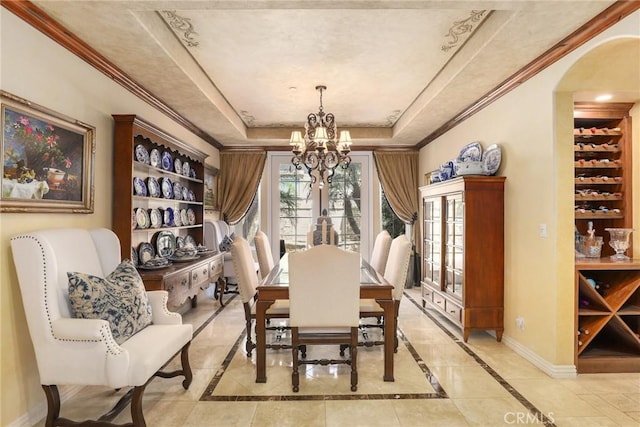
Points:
(320, 152)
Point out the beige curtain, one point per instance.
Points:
(398, 174)
(240, 174)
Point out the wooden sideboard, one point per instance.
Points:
(184, 280)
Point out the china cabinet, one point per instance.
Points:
(608, 316)
(463, 251)
(602, 163)
(158, 207)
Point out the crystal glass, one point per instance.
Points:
(619, 241)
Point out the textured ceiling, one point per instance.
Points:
(245, 72)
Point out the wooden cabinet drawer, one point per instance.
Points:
(427, 293)
(439, 301)
(454, 311)
(178, 287)
(215, 269)
(199, 275)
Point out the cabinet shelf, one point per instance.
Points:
(594, 132)
(150, 170)
(598, 215)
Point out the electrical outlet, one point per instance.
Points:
(520, 323)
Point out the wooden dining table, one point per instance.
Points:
(276, 287)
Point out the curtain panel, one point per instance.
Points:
(398, 174)
(240, 174)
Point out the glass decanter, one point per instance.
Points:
(619, 241)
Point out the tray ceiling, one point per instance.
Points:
(244, 72)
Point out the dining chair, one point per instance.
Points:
(247, 278)
(396, 271)
(380, 251)
(264, 254)
(324, 295)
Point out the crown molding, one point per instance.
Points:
(605, 19)
(41, 21)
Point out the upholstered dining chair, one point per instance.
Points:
(380, 251)
(264, 254)
(70, 279)
(317, 316)
(227, 283)
(395, 273)
(248, 286)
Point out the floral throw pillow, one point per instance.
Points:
(120, 298)
(225, 245)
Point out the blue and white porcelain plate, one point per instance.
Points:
(142, 155)
(146, 252)
(167, 187)
(154, 158)
(491, 159)
(156, 218)
(165, 243)
(153, 187)
(178, 166)
(167, 161)
(177, 191)
(191, 216)
(472, 151)
(168, 217)
(142, 218)
(139, 187)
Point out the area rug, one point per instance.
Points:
(235, 378)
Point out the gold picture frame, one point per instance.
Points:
(47, 161)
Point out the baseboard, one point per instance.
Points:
(554, 371)
(39, 411)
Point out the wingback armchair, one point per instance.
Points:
(83, 351)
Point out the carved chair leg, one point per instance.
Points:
(354, 368)
(186, 366)
(53, 404)
(353, 353)
(136, 406)
(249, 345)
(222, 284)
(295, 374)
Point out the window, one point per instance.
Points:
(297, 204)
(390, 220)
(248, 226)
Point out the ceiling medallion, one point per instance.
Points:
(183, 24)
(460, 28)
(320, 152)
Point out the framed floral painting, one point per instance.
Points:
(47, 159)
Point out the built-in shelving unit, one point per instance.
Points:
(602, 163)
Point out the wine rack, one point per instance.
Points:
(608, 316)
(602, 164)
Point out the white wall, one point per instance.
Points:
(534, 127)
(39, 70)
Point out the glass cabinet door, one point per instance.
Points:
(432, 243)
(454, 244)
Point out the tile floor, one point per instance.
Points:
(440, 381)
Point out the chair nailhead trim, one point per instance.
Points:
(112, 346)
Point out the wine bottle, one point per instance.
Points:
(583, 331)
